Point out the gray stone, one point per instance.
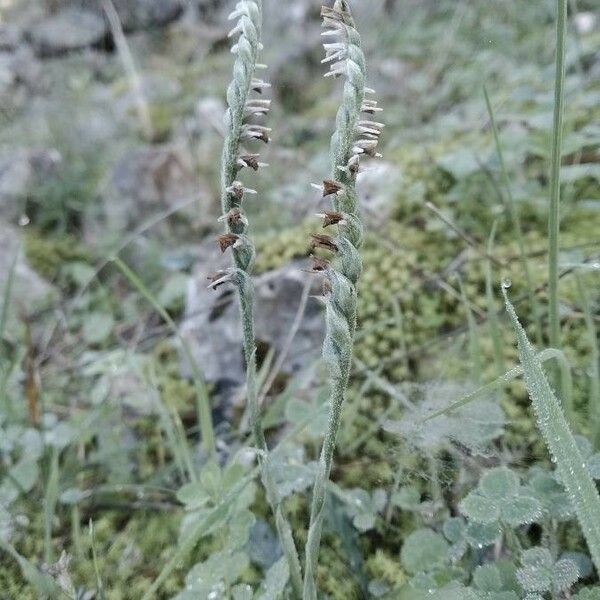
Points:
(212, 321)
(30, 292)
(140, 14)
(20, 171)
(136, 14)
(378, 187)
(10, 37)
(147, 181)
(68, 30)
(20, 67)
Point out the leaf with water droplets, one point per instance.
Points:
(521, 510)
(500, 483)
(480, 536)
(424, 550)
(551, 421)
(487, 578)
(480, 509)
(540, 573)
(551, 495)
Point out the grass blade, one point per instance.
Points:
(560, 442)
(506, 378)
(557, 134)
(10, 280)
(50, 499)
(204, 411)
(515, 219)
(493, 320)
(99, 584)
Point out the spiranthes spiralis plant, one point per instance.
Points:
(352, 139)
(241, 127)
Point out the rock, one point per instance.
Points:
(20, 171)
(141, 14)
(146, 181)
(10, 37)
(377, 188)
(20, 67)
(212, 321)
(30, 292)
(135, 14)
(68, 30)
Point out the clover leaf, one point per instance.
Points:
(363, 507)
(489, 582)
(551, 495)
(461, 535)
(540, 573)
(592, 460)
(501, 498)
(424, 550)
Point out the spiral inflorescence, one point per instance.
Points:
(240, 126)
(354, 138)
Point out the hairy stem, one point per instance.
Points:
(240, 126)
(351, 140)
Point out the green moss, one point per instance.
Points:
(384, 567)
(47, 255)
(12, 585)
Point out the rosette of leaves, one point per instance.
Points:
(500, 498)
(541, 574)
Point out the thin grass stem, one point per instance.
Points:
(203, 401)
(557, 135)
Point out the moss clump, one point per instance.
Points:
(385, 568)
(48, 255)
(132, 554)
(12, 585)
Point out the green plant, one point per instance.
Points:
(240, 128)
(560, 441)
(347, 59)
(557, 136)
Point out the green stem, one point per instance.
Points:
(557, 134)
(515, 218)
(491, 305)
